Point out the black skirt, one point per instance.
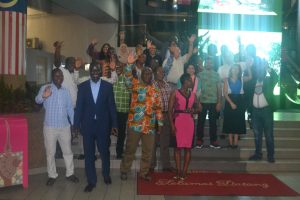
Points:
(234, 120)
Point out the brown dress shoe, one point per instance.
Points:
(146, 177)
(151, 170)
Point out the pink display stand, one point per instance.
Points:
(18, 129)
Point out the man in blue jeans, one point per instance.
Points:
(262, 114)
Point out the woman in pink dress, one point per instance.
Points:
(182, 106)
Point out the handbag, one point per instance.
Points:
(11, 163)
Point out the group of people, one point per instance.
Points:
(147, 97)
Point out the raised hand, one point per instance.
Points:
(195, 50)
(78, 63)
(112, 64)
(94, 41)
(58, 44)
(192, 38)
(122, 35)
(47, 92)
(149, 43)
(131, 58)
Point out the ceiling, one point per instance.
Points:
(104, 11)
(158, 16)
(148, 11)
(131, 11)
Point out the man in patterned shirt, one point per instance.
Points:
(145, 111)
(210, 99)
(122, 97)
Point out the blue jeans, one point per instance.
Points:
(262, 119)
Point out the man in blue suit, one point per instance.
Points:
(95, 116)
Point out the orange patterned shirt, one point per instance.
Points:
(146, 106)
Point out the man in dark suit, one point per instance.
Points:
(95, 115)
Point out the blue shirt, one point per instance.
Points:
(235, 87)
(58, 107)
(95, 89)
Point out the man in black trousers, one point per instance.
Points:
(96, 117)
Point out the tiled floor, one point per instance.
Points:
(122, 190)
(63, 190)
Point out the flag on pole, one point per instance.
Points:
(12, 37)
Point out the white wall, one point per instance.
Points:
(76, 32)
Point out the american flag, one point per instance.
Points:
(12, 37)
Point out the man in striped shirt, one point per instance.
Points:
(57, 102)
(164, 136)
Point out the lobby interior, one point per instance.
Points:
(77, 23)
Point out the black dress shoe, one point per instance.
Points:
(89, 188)
(146, 177)
(72, 178)
(81, 157)
(50, 181)
(107, 180)
(271, 160)
(255, 157)
(151, 169)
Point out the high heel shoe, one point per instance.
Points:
(176, 177)
(184, 176)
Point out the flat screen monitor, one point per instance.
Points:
(245, 7)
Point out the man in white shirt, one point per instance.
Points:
(69, 82)
(174, 64)
(223, 71)
(67, 70)
(262, 113)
